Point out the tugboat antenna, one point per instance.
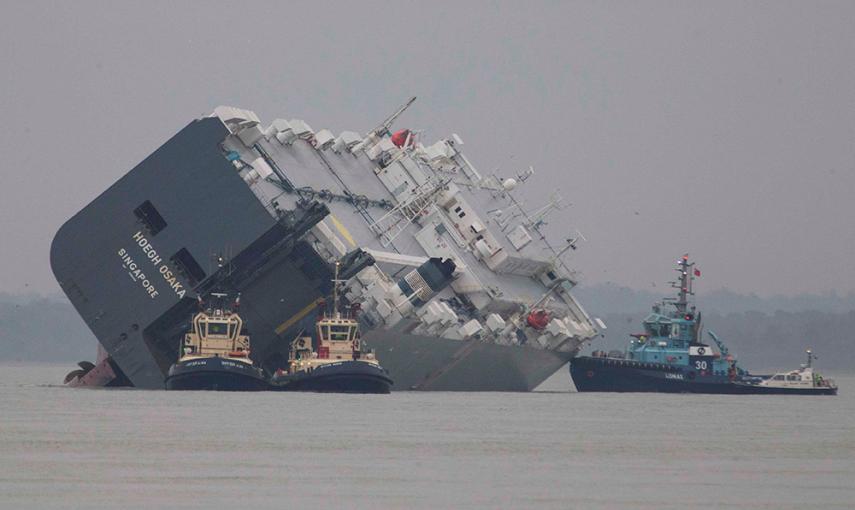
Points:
(335, 290)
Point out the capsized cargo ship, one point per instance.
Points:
(459, 285)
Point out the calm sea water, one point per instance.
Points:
(67, 448)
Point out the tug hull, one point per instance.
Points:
(621, 375)
(339, 377)
(215, 374)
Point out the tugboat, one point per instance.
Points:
(215, 354)
(339, 365)
(669, 357)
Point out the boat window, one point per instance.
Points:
(340, 333)
(325, 332)
(779, 377)
(675, 331)
(792, 378)
(218, 328)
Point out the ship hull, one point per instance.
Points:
(215, 374)
(136, 278)
(341, 377)
(105, 374)
(620, 375)
(426, 363)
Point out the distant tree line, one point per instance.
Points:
(43, 329)
(34, 328)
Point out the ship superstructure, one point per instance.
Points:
(459, 286)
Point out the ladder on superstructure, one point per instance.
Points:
(390, 226)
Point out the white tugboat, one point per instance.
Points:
(339, 364)
(215, 354)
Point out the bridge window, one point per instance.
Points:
(218, 328)
(340, 333)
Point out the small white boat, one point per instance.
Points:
(803, 380)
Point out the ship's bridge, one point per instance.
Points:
(217, 327)
(661, 326)
(216, 334)
(338, 330)
(676, 331)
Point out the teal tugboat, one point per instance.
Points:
(670, 357)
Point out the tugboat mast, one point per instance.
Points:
(336, 282)
(685, 284)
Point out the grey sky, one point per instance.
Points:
(727, 127)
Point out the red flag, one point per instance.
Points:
(697, 272)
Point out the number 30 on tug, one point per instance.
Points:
(670, 357)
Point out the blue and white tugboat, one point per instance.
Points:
(670, 357)
(215, 354)
(339, 364)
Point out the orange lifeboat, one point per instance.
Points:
(538, 319)
(399, 138)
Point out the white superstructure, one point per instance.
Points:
(405, 200)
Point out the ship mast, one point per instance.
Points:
(684, 286)
(384, 128)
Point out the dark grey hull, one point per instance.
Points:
(341, 377)
(625, 376)
(215, 374)
(426, 363)
(137, 298)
